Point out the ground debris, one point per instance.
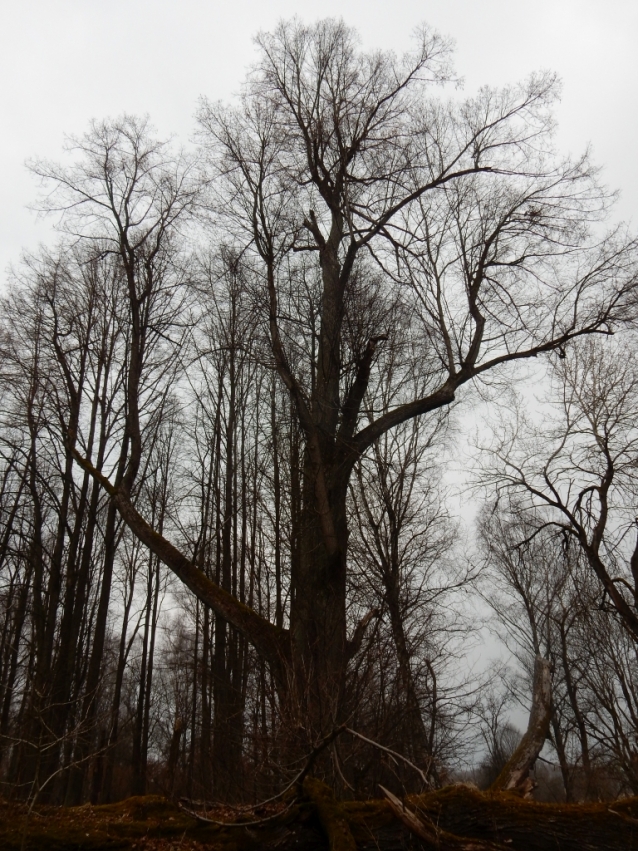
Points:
(457, 816)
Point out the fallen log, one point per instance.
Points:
(431, 834)
(331, 814)
(462, 814)
(456, 818)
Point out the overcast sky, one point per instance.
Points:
(63, 62)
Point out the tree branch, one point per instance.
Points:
(270, 641)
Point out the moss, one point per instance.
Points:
(134, 822)
(155, 824)
(331, 815)
(367, 818)
(528, 825)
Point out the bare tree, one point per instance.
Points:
(547, 601)
(337, 163)
(533, 584)
(405, 570)
(447, 233)
(578, 470)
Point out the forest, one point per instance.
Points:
(244, 547)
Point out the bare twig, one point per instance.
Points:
(265, 820)
(392, 753)
(296, 781)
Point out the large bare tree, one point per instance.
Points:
(372, 219)
(339, 167)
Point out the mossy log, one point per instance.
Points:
(332, 815)
(457, 818)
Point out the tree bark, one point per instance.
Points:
(515, 774)
(318, 613)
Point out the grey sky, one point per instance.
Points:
(63, 62)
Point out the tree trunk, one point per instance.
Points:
(90, 702)
(318, 615)
(105, 793)
(416, 735)
(227, 719)
(515, 774)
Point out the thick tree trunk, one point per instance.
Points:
(318, 616)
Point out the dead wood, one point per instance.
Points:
(331, 815)
(456, 818)
(433, 836)
(515, 776)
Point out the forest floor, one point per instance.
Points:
(457, 817)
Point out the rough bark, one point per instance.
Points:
(318, 617)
